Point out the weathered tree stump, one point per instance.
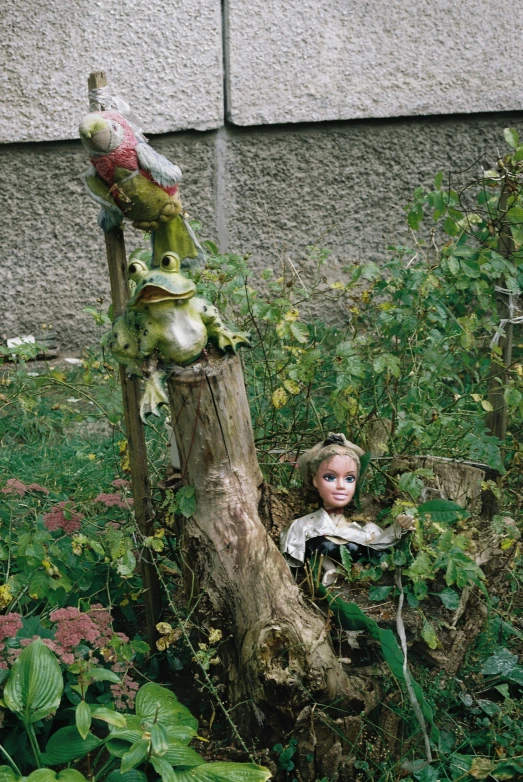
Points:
(280, 657)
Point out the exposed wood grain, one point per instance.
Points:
(279, 642)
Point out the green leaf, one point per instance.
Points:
(223, 772)
(211, 247)
(351, 617)
(501, 662)
(470, 268)
(135, 754)
(159, 739)
(511, 137)
(4, 673)
(66, 745)
(179, 754)
(512, 396)
(134, 775)
(163, 768)
(34, 688)
(109, 716)
(300, 332)
(379, 593)
(102, 675)
(186, 501)
(156, 702)
(410, 484)
(83, 719)
(516, 675)
(449, 598)
(48, 775)
(443, 511)
(438, 179)
(428, 633)
(8, 775)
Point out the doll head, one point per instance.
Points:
(332, 467)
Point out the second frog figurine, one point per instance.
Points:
(165, 320)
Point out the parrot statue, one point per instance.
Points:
(129, 179)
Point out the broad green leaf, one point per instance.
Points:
(509, 769)
(179, 754)
(489, 707)
(186, 501)
(470, 268)
(516, 675)
(34, 688)
(102, 675)
(159, 739)
(512, 396)
(83, 719)
(109, 716)
(66, 745)
(134, 775)
(300, 332)
(135, 754)
(156, 702)
(449, 598)
(4, 673)
(119, 741)
(48, 775)
(428, 633)
(501, 662)
(163, 768)
(379, 593)
(351, 617)
(511, 137)
(411, 484)
(443, 511)
(223, 772)
(8, 775)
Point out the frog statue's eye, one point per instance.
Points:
(136, 269)
(170, 262)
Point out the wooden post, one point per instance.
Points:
(117, 263)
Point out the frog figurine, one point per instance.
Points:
(166, 322)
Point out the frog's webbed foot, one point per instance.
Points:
(154, 395)
(232, 340)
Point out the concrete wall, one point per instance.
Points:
(258, 186)
(280, 189)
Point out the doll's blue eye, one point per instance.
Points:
(350, 478)
(329, 478)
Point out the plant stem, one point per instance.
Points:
(11, 761)
(34, 743)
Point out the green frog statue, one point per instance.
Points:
(165, 323)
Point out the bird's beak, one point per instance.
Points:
(91, 125)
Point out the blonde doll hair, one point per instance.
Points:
(333, 445)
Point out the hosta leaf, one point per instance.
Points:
(137, 752)
(102, 675)
(83, 719)
(8, 775)
(154, 702)
(134, 775)
(223, 772)
(48, 775)
(66, 745)
(179, 754)
(163, 768)
(109, 716)
(35, 685)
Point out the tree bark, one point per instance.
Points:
(280, 657)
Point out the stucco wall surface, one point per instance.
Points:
(54, 259)
(269, 192)
(317, 60)
(164, 57)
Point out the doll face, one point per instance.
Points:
(336, 481)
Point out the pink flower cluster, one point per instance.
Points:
(114, 499)
(56, 518)
(14, 486)
(10, 624)
(124, 693)
(120, 483)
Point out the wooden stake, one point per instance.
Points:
(141, 489)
